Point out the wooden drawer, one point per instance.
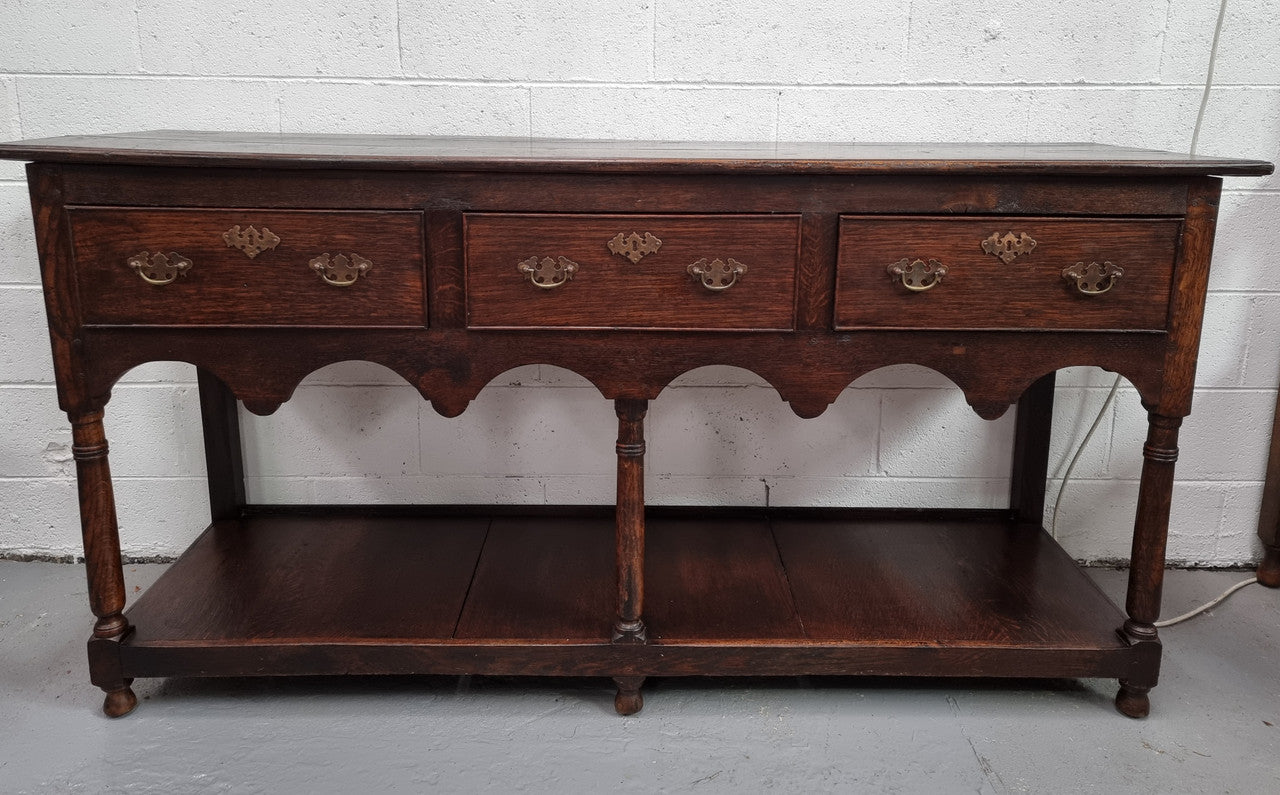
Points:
(1013, 285)
(223, 285)
(626, 281)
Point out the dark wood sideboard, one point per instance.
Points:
(260, 258)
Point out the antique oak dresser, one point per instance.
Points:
(260, 258)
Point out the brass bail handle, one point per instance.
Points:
(1093, 279)
(717, 274)
(917, 275)
(548, 273)
(340, 270)
(159, 268)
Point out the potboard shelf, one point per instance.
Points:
(748, 592)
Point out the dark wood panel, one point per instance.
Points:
(514, 154)
(226, 287)
(715, 581)
(960, 583)
(313, 578)
(541, 600)
(543, 578)
(816, 273)
(57, 278)
(446, 280)
(451, 366)
(980, 290)
(611, 291)
(729, 658)
(967, 581)
(453, 192)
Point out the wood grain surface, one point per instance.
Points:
(716, 580)
(196, 148)
(611, 291)
(543, 579)
(982, 291)
(873, 594)
(306, 578)
(226, 287)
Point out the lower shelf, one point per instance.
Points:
(726, 593)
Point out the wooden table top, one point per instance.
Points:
(427, 153)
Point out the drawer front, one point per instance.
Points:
(631, 271)
(1120, 272)
(249, 267)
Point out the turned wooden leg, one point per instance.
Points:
(629, 626)
(102, 561)
(1146, 564)
(629, 699)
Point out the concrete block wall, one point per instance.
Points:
(1129, 73)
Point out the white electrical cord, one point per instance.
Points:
(1206, 606)
(1066, 476)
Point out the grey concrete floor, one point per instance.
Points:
(1214, 727)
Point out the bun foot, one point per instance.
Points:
(119, 703)
(629, 699)
(1269, 568)
(1133, 701)
(625, 703)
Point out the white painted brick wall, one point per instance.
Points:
(9, 125)
(1128, 73)
(518, 40)
(267, 37)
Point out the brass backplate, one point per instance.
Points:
(250, 240)
(1009, 246)
(633, 246)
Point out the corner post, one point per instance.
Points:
(1164, 418)
(101, 535)
(1032, 429)
(224, 462)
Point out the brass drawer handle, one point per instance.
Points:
(717, 274)
(1093, 279)
(251, 241)
(548, 273)
(158, 268)
(917, 275)
(633, 246)
(340, 270)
